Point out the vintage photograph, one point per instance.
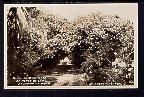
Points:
(71, 46)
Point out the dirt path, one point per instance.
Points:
(64, 80)
(63, 76)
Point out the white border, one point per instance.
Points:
(71, 87)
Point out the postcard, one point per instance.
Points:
(71, 46)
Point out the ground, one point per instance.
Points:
(68, 76)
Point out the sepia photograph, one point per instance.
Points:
(71, 46)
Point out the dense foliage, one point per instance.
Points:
(92, 43)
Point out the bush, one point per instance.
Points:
(92, 43)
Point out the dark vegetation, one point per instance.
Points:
(92, 43)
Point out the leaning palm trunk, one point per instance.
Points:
(17, 25)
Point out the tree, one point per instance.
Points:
(108, 38)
